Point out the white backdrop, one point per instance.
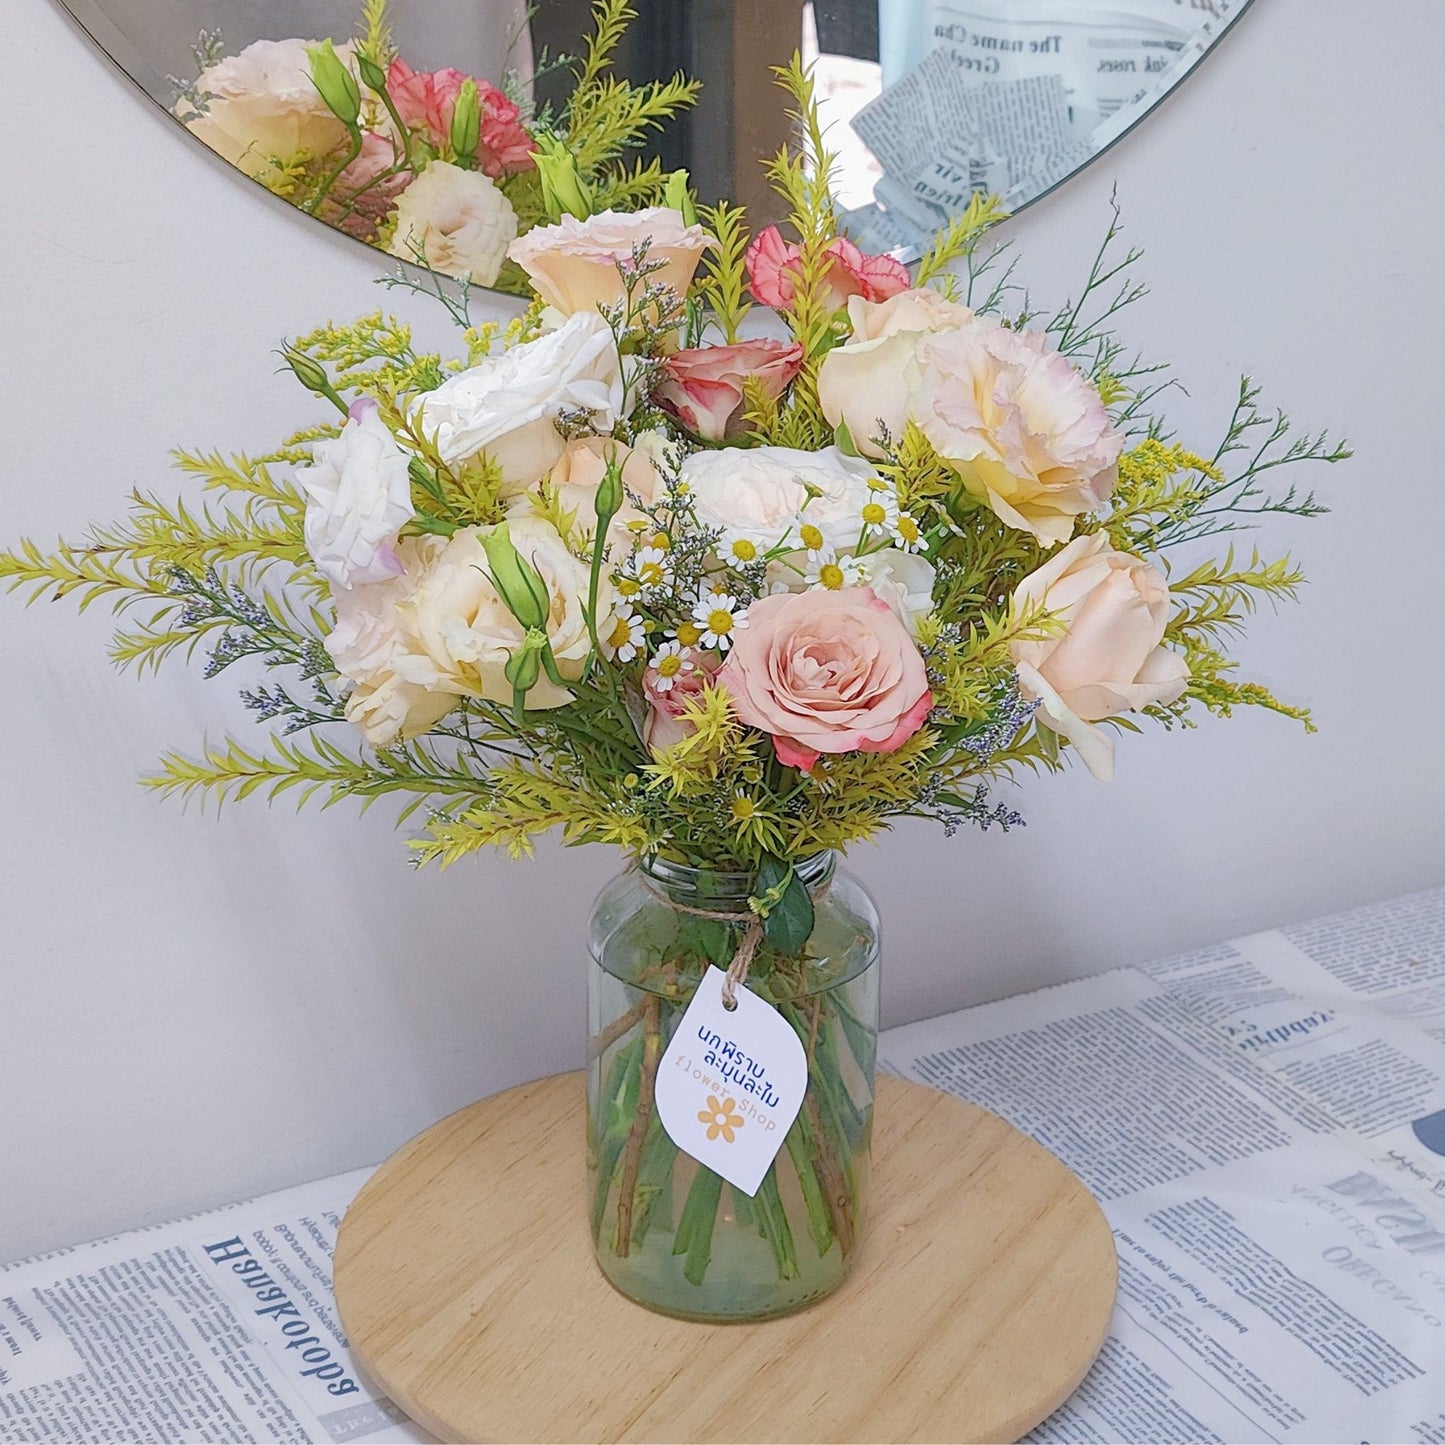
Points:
(192, 1010)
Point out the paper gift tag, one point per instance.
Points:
(731, 1083)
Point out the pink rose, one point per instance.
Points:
(664, 725)
(426, 100)
(827, 672)
(1109, 659)
(703, 388)
(773, 272)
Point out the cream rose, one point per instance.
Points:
(827, 672)
(358, 498)
(372, 651)
(1026, 432)
(867, 383)
(1109, 660)
(458, 221)
(573, 265)
(262, 106)
(768, 494)
(576, 477)
(460, 633)
(507, 405)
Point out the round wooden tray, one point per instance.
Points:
(465, 1280)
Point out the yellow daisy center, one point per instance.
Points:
(908, 529)
(661, 541)
(669, 665)
(621, 632)
(650, 574)
(719, 622)
(830, 574)
(628, 587)
(743, 809)
(689, 634)
(812, 537)
(744, 550)
(875, 514)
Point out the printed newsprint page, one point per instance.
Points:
(1262, 1121)
(1264, 1125)
(220, 1327)
(991, 96)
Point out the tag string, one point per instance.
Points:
(748, 944)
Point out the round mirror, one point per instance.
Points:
(927, 102)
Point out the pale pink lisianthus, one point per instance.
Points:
(704, 388)
(574, 265)
(1026, 432)
(426, 100)
(665, 724)
(774, 269)
(1109, 659)
(827, 672)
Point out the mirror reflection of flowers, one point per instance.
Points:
(436, 167)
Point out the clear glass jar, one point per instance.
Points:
(668, 1232)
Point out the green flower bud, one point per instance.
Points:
(312, 375)
(467, 122)
(524, 666)
(677, 194)
(335, 82)
(608, 497)
(563, 190)
(518, 583)
(372, 74)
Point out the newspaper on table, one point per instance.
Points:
(1263, 1123)
(1009, 99)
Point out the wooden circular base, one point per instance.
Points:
(465, 1280)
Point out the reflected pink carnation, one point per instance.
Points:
(773, 272)
(427, 99)
(827, 672)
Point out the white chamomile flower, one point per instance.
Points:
(626, 635)
(738, 550)
(720, 615)
(879, 514)
(834, 573)
(907, 534)
(812, 537)
(670, 662)
(651, 569)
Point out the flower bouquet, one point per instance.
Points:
(727, 551)
(437, 167)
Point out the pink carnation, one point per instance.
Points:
(827, 672)
(703, 388)
(773, 270)
(426, 100)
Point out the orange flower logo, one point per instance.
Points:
(720, 1119)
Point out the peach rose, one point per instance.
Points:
(827, 672)
(703, 388)
(1109, 660)
(426, 100)
(573, 265)
(867, 383)
(1025, 431)
(773, 271)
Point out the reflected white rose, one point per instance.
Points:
(459, 220)
(262, 105)
(507, 405)
(358, 498)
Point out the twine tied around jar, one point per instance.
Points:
(748, 944)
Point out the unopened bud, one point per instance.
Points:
(608, 497)
(467, 121)
(524, 666)
(371, 73)
(336, 83)
(312, 375)
(677, 194)
(518, 583)
(563, 190)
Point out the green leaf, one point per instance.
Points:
(782, 902)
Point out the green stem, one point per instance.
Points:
(353, 151)
(694, 1229)
(773, 1225)
(820, 1224)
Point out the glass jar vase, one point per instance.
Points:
(669, 1232)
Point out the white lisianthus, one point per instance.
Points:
(768, 494)
(373, 652)
(358, 498)
(461, 633)
(458, 220)
(904, 581)
(262, 105)
(507, 405)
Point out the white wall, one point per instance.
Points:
(192, 1010)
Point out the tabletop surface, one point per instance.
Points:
(1263, 1122)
